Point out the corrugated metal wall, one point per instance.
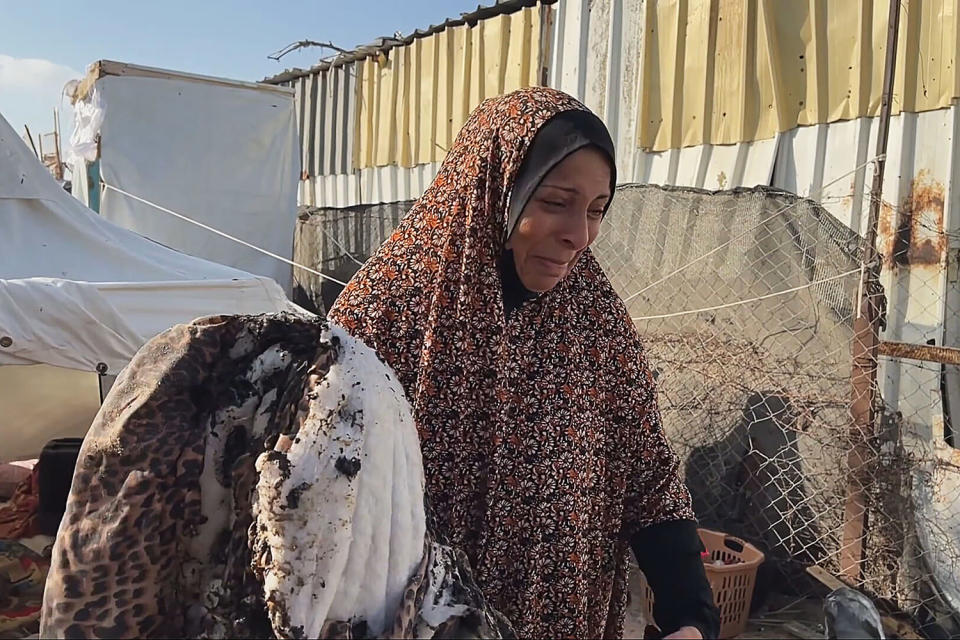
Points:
(599, 62)
(326, 105)
(326, 113)
(593, 50)
(727, 71)
(327, 117)
(413, 103)
(376, 129)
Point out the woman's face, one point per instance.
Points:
(561, 219)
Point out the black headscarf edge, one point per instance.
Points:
(561, 135)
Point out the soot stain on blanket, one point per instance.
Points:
(348, 466)
(293, 498)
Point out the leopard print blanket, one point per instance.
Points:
(220, 447)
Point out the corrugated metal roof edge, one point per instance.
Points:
(102, 68)
(383, 45)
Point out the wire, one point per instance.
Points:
(225, 235)
(294, 46)
(739, 302)
(340, 246)
(764, 221)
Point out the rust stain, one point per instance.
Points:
(885, 226)
(954, 455)
(912, 235)
(847, 200)
(923, 352)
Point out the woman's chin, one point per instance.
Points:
(542, 284)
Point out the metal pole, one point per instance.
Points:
(866, 338)
(544, 55)
(921, 352)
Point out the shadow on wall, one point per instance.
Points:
(750, 484)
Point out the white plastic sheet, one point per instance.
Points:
(226, 156)
(77, 291)
(42, 402)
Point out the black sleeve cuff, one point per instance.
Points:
(669, 556)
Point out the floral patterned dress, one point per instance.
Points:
(541, 437)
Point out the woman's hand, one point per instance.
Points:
(685, 633)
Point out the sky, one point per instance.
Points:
(45, 44)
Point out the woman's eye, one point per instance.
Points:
(554, 203)
(596, 214)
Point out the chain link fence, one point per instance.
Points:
(746, 300)
(746, 303)
(337, 242)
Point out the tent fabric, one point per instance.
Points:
(77, 290)
(63, 323)
(41, 402)
(233, 165)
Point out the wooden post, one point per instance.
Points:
(866, 339)
(30, 140)
(58, 170)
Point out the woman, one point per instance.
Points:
(541, 439)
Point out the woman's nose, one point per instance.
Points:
(576, 230)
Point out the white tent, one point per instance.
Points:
(79, 294)
(223, 152)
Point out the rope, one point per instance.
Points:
(764, 221)
(225, 235)
(340, 246)
(758, 299)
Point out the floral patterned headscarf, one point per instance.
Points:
(541, 438)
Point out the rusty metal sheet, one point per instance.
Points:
(926, 353)
(912, 234)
